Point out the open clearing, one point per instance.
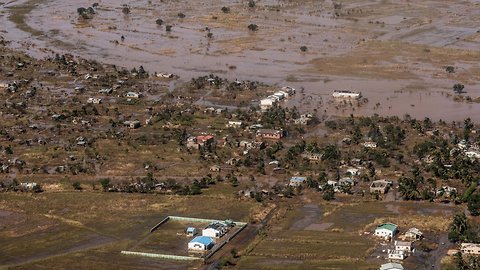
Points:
(55, 229)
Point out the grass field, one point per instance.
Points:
(55, 229)
(341, 244)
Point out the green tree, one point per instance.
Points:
(458, 88)
(461, 230)
(408, 188)
(474, 204)
(328, 193)
(77, 186)
(105, 183)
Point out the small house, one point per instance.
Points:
(414, 234)
(297, 181)
(446, 191)
(133, 95)
(271, 134)
(370, 144)
(94, 100)
(201, 243)
(202, 140)
(267, 103)
(132, 124)
(232, 161)
(191, 231)
(391, 266)
(470, 248)
(289, 90)
(28, 185)
(404, 246)
(234, 124)
(386, 230)
(353, 171)
(396, 254)
(312, 157)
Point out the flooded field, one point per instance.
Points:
(394, 52)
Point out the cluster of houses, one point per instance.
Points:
(271, 100)
(401, 248)
(197, 142)
(471, 151)
(206, 241)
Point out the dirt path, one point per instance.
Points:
(96, 242)
(311, 214)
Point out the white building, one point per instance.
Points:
(386, 230)
(234, 124)
(353, 171)
(215, 230)
(470, 248)
(94, 100)
(404, 246)
(267, 103)
(396, 254)
(201, 243)
(346, 94)
(370, 144)
(133, 95)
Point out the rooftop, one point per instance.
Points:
(388, 226)
(205, 240)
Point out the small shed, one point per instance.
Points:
(191, 231)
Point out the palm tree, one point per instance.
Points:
(458, 227)
(408, 188)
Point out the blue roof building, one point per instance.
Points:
(201, 243)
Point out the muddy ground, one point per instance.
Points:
(395, 52)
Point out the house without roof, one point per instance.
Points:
(414, 234)
(271, 134)
(297, 181)
(380, 186)
(404, 246)
(470, 248)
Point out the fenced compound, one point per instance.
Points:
(216, 248)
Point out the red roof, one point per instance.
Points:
(205, 138)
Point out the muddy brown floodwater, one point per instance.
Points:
(394, 52)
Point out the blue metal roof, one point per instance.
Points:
(205, 240)
(190, 229)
